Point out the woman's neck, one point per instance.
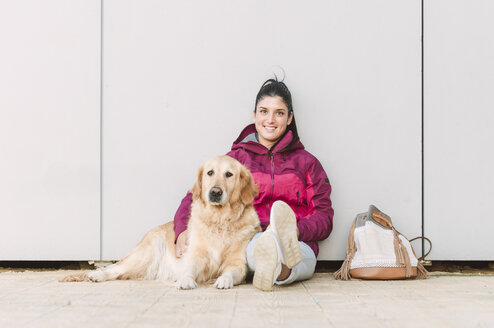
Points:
(266, 143)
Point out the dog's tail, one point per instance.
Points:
(78, 277)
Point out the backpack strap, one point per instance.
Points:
(351, 247)
(430, 246)
(402, 256)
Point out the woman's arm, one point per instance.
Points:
(182, 218)
(319, 223)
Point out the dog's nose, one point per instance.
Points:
(215, 194)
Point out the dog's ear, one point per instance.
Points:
(249, 189)
(235, 197)
(197, 188)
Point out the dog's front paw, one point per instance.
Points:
(224, 282)
(96, 276)
(186, 283)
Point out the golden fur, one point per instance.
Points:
(220, 227)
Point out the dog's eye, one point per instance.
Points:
(228, 174)
(210, 173)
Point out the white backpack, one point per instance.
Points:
(376, 250)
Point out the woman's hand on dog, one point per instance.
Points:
(182, 242)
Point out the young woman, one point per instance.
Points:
(293, 205)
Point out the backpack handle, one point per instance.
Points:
(430, 246)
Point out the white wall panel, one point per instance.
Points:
(459, 103)
(49, 130)
(180, 78)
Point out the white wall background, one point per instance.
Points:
(459, 116)
(49, 130)
(179, 82)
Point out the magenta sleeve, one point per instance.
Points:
(319, 224)
(182, 215)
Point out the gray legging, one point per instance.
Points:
(302, 271)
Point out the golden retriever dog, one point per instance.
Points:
(222, 222)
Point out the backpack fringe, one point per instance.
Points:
(408, 265)
(344, 272)
(400, 256)
(421, 271)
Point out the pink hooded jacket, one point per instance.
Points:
(287, 172)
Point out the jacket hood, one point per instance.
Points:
(248, 140)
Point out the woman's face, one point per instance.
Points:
(271, 118)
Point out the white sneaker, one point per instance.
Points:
(284, 225)
(268, 263)
(277, 245)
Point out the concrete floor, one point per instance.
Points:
(37, 299)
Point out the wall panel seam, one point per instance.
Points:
(101, 136)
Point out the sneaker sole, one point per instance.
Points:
(266, 257)
(286, 227)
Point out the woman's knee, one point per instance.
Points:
(250, 252)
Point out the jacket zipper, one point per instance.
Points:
(298, 198)
(271, 157)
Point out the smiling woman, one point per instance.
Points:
(271, 118)
(273, 113)
(293, 204)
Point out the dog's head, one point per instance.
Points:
(223, 180)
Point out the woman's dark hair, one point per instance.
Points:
(273, 88)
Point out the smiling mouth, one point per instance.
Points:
(270, 128)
